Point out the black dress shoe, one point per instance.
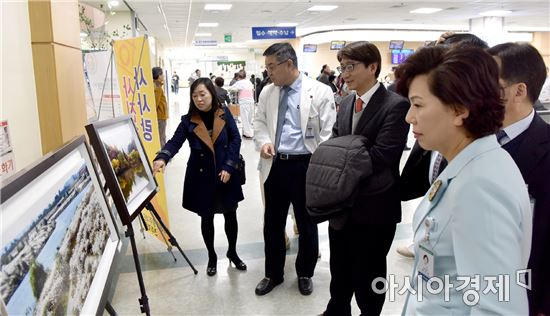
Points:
(305, 285)
(266, 285)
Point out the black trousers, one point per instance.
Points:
(286, 184)
(357, 257)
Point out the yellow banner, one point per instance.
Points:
(135, 78)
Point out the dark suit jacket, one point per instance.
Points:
(414, 177)
(222, 96)
(533, 159)
(383, 124)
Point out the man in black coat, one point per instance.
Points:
(361, 237)
(527, 138)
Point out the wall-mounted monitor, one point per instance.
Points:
(310, 48)
(337, 45)
(397, 44)
(399, 56)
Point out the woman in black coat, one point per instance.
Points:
(211, 181)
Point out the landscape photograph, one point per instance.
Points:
(48, 265)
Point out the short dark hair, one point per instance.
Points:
(521, 63)
(460, 77)
(465, 39)
(364, 52)
(323, 68)
(283, 52)
(157, 71)
(210, 87)
(219, 81)
(242, 74)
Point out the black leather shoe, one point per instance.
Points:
(266, 285)
(305, 285)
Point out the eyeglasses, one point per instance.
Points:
(271, 67)
(346, 68)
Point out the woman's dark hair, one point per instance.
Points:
(323, 68)
(210, 87)
(364, 52)
(219, 81)
(462, 77)
(157, 71)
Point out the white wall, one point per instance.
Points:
(18, 92)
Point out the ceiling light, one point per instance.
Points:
(495, 13)
(322, 8)
(426, 10)
(288, 24)
(208, 24)
(113, 3)
(203, 34)
(220, 7)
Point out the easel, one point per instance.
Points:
(143, 300)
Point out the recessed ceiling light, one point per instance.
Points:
(208, 24)
(323, 8)
(113, 3)
(287, 24)
(212, 6)
(203, 34)
(495, 13)
(426, 10)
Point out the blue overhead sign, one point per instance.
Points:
(273, 32)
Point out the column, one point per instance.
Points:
(58, 70)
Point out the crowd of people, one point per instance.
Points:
(480, 163)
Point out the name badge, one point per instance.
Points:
(309, 132)
(426, 261)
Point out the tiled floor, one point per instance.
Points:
(173, 289)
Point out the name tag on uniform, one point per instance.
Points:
(426, 261)
(309, 132)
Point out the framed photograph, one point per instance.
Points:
(58, 240)
(124, 163)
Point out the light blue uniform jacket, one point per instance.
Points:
(482, 222)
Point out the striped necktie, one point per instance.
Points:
(500, 136)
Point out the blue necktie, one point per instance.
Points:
(283, 107)
(500, 136)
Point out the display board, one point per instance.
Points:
(58, 236)
(124, 163)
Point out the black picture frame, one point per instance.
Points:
(57, 205)
(116, 133)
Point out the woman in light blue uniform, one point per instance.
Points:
(472, 230)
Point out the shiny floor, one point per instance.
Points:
(173, 289)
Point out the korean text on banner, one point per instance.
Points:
(135, 78)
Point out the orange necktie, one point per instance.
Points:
(358, 105)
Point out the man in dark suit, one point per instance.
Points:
(527, 138)
(361, 237)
